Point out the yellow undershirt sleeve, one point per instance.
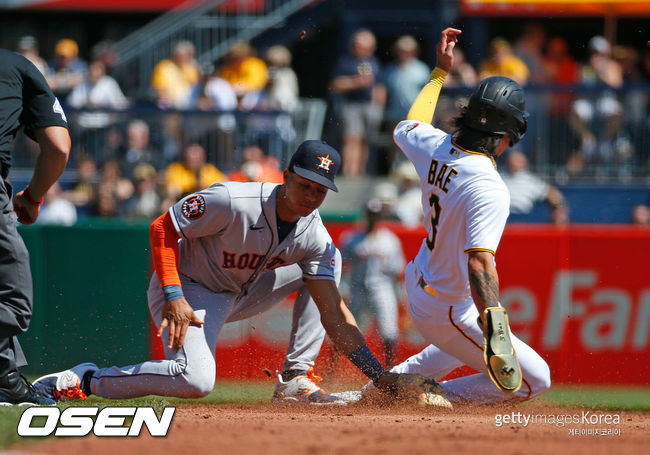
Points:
(424, 105)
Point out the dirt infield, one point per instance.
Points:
(269, 430)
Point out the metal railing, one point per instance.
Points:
(213, 26)
(574, 134)
(578, 133)
(103, 135)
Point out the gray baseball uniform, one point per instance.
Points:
(232, 267)
(376, 261)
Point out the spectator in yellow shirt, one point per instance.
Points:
(192, 174)
(243, 70)
(503, 62)
(175, 79)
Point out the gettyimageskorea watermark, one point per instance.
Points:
(585, 423)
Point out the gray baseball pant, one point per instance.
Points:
(190, 372)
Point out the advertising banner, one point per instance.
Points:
(578, 295)
(573, 8)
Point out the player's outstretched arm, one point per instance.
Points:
(336, 318)
(342, 328)
(424, 105)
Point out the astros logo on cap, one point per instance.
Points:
(325, 163)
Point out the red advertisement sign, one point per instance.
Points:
(574, 8)
(580, 296)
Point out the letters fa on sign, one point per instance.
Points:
(81, 421)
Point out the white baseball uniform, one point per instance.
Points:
(465, 205)
(232, 267)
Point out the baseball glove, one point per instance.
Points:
(498, 353)
(413, 388)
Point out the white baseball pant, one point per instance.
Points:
(456, 340)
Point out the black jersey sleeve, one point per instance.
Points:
(40, 107)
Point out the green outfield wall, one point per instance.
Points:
(90, 303)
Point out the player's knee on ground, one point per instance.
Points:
(198, 382)
(195, 379)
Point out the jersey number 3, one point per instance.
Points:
(434, 203)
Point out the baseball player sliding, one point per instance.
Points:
(230, 252)
(453, 279)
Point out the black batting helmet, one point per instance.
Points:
(498, 106)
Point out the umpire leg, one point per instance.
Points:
(15, 295)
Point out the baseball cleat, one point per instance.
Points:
(303, 390)
(499, 354)
(15, 390)
(65, 385)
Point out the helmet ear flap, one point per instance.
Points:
(521, 130)
(524, 126)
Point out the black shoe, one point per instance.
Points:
(16, 390)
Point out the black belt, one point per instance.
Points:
(426, 288)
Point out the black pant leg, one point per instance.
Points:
(16, 294)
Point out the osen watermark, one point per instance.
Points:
(81, 421)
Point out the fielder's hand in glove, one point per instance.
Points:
(410, 387)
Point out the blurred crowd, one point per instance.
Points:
(123, 171)
(242, 81)
(603, 130)
(143, 191)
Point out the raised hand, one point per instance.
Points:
(445, 48)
